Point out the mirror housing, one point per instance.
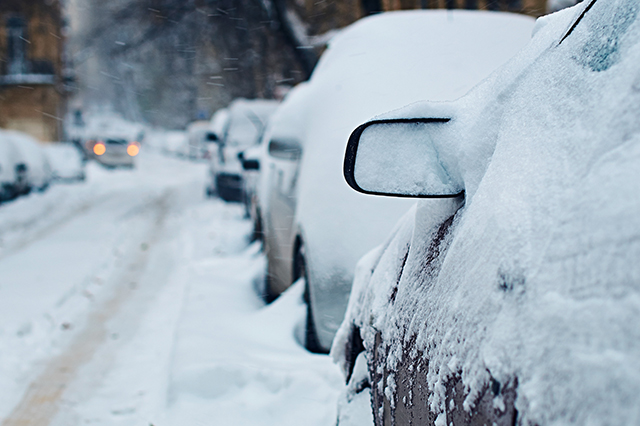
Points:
(212, 137)
(400, 158)
(250, 164)
(285, 149)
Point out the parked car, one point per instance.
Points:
(277, 159)
(509, 296)
(317, 227)
(197, 132)
(217, 125)
(13, 170)
(243, 124)
(176, 143)
(38, 170)
(66, 162)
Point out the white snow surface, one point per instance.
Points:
(538, 277)
(131, 300)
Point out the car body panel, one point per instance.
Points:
(276, 187)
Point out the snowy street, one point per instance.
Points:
(131, 299)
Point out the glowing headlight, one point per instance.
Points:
(99, 148)
(133, 149)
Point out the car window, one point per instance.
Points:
(600, 29)
(242, 130)
(577, 20)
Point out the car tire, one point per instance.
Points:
(256, 235)
(312, 343)
(268, 295)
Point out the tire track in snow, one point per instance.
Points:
(43, 399)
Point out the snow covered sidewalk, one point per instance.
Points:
(236, 361)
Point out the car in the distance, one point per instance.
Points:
(197, 132)
(237, 128)
(67, 162)
(113, 150)
(510, 295)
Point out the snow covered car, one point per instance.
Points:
(317, 227)
(13, 170)
(175, 142)
(197, 139)
(250, 159)
(38, 170)
(66, 162)
(278, 160)
(510, 295)
(113, 150)
(217, 125)
(243, 127)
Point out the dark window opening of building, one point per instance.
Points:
(17, 46)
(371, 6)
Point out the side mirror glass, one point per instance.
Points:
(285, 149)
(211, 137)
(399, 158)
(250, 164)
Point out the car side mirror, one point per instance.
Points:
(400, 158)
(251, 164)
(285, 149)
(212, 137)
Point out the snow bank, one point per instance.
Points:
(235, 360)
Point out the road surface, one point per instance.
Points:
(131, 300)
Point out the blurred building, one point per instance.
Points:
(321, 16)
(534, 8)
(31, 68)
(313, 22)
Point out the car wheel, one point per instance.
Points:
(257, 225)
(268, 295)
(312, 343)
